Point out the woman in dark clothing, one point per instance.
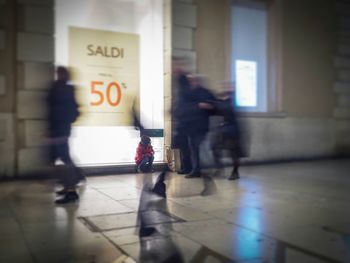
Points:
(227, 135)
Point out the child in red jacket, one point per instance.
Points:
(144, 155)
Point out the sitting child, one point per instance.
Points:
(144, 155)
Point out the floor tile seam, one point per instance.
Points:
(154, 237)
(99, 189)
(123, 251)
(198, 243)
(204, 210)
(116, 188)
(183, 206)
(111, 198)
(26, 241)
(137, 226)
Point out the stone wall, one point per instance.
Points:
(342, 84)
(300, 122)
(28, 40)
(7, 90)
(311, 120)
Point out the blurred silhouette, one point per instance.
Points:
(195, 117)
(62, 112)
(160, 187)
(227, 136)
(209, 185)
(155, 239)
(180, 138)
(144, 155)
(136, 121)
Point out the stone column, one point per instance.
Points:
(167, 5)
(342, 84)
(183, 25)
(34, 61)
(7, 89)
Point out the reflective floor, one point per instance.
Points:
(295, 212)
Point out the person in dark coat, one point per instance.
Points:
(228, 133)
(62, 112)
(180, 138)
(195, 118)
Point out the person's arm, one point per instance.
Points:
(138, 155)
(208, 100)
(150, 151)
(205, 106)
(74, 104)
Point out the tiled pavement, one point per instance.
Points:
(294, 212)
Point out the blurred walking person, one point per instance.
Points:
(196, 119)
(62, 112)
(227, 135)
(180, 138)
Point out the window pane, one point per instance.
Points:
(249, 61)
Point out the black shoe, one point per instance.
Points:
(193, 175)
(61, 192)
(67, 198)
(234, 176)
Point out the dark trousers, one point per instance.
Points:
(60, 150)
(185, 155)
(227, 139)
(146, 164)
(195, 142)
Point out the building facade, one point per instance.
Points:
(307, 113)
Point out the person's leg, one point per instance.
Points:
(185, 155)
(195, 142)
(217, 155)
(76, 173)
(69, 179)
(53, 154)
(71, 176)
(150, 163)
(236, 163)
(64, 153)
(143, 164)
(209, 186)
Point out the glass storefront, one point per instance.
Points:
(114, 49)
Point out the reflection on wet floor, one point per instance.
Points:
(296, 212)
